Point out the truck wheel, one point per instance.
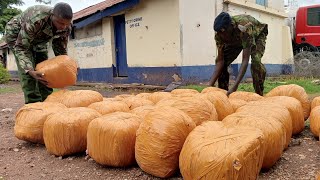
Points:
(304, 47)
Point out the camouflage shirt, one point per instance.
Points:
(31, 31)
(247, 30)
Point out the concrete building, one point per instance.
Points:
(160, 41)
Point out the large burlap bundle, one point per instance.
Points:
(213, 151)
(106, 107)
(266, 110)
(65, 133)
(30, 119)
(198, 109)
(315, 102)
(112, 137)
(134, 102)
(246, 96)
(123, 96)
(295, 109)
(77, 98)
(237, 103)
(143, 95)
(60, 71)
(274, 134)
(111, 99)
(220, 102)
(56, 96)
(295, 91)
(159, 140)
(142, 111)
(184, 91)
(315, 121)
(158, 96)
(213, 89)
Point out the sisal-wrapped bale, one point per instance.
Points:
(295, 109)
(65, 133)
(184, 95)
(278, 112)
(237, 103)
(295, 91)
(112, 137)
(111, 99)
(78, 98)
(60, 71)
(246, 96)
(56, 96)
(274, 134)
(143, 95)
(184, 91)
(106, 107)
(159, 140)
(123, 96)
(213, 151)
(315, 121)
(134, 102)
(198, 109)
(30, 118)
(142, 111)
(220, 102)
(315, 102)
(213, 89)
(158, 96)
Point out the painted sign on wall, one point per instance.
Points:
(135, 22)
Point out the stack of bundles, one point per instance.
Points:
(246, 96)
(158, 96)
(315, 102)
(214, 151)
(65, 132)
(160, 138)
(269, 110)
(77, 98)
(295, 109)
(134, 102)
(106, 107)
(142, 111)
(112, 137)
(213, 89)
(184, 91)
(294, 91)
(30, 119)
(198, 109)
(237, 103)
(220, 102)
(123, 96)
(315, 121)
(60, 71)
(274, 135)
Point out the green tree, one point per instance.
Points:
(7, 12)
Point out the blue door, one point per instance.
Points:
(120, 46)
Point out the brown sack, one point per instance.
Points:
(220, 102)
(30, 119)
(237, 103)
(274, 135)
(213, 151)
(134, 102)
(246, 96)
(65, 133)
(112, 137)
(60, 71)
(198, 109)
(295, 91)
(159, 140)
(213, 89)
(142, 111)
(315, 102)
(315, 121)
(295, 109)
(158, 96)
(107, 107)
(56, 96)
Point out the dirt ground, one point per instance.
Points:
(23, 160)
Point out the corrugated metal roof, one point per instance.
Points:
(95, 8)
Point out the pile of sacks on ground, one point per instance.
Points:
(205, 135)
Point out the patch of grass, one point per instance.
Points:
(199, 88)
(7, 90)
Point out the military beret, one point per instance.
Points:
(222, 21)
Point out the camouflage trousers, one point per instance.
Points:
(258, 70)
(33, 90)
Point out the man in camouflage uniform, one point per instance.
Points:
(28, 35)
(233, 35)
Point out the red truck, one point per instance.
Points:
(306, 30)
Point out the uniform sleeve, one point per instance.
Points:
(59, 45)
(247, 39)
(219, 42)
(22, 47)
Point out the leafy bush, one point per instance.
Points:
(4, 75)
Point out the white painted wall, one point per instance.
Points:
(154, 40)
